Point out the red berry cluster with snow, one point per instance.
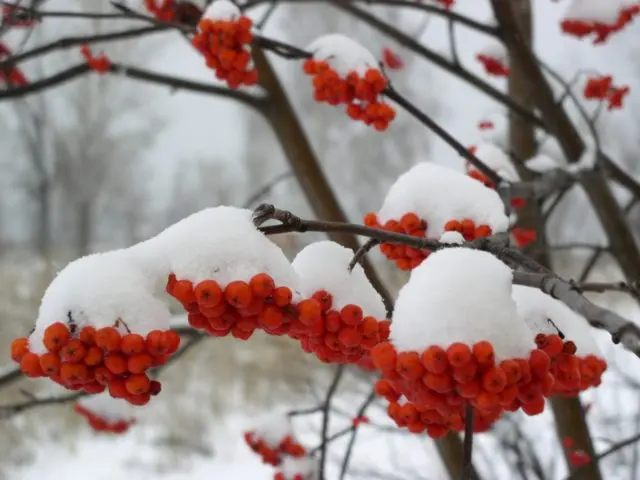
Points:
(344, 72)
(340, 319)
(231, 279)
(602, 88)
(98, 63)
(430, 200)
(497, 160)
(494, 59)
(598, 18)
(224, 38)
(456, 339)
(273, 439)
(576, 361)
(106, 414)
(99, 326)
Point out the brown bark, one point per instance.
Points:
(569, 415)
(324, 203)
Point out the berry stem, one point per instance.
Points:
(467, 468)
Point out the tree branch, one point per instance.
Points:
(435, 10)
(622, 330)
(256, 102)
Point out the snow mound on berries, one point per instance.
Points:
(455, 238)
(438, 194)
(222, 244)
(222, 10)
(495, 49)
(605, 12)
(325, 266)
(306, 467)
(272, 428)
(343, 54)
(498, 161)
(537, 308)
(98, 290)
(108, 408)
(460, 295)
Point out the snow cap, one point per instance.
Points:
(98, 290)
(325, 266)
(343, 54)
(460, 295)
(439, 194)
(222, 244)
(537, 308)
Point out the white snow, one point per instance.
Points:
(452, 237)
(272, 428)
(536, 308)
(97, 290)
(307, 467)
(108, 408)
(325, 266)
(495, 49)
(222, 243)
(541, 163)
(460, 295)
(343, 54)
(498, 135)
(222, 10)
(605, 12)
(496, 159)
(587, 160)
(439, 194)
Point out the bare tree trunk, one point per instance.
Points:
(325, 205)
(568, 412)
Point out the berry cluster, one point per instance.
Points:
(493, 66)
(274, 455)
(516, 202)
(405, 258)
(600, 31)
(100, 424)
(240, 308)
(225, 47)
(343, 336)
(438, 382)
(523, 236)
(391, 59)
(11, 75)
(408, 258)
(602, 88)
(93, 360)
(577, 457)
(572, 374)
(165, 11)
(361, 94)
(100, 64)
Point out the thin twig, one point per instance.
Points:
(325, 418)
(362, 251)
(354, 433)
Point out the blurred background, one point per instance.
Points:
(104, 162)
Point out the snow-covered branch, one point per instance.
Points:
(622, 330)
